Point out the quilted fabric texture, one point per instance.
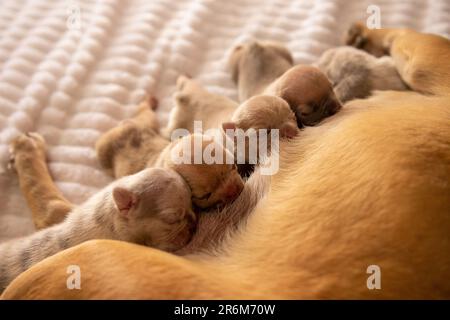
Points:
(71, 70)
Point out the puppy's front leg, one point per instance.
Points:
(28, 159)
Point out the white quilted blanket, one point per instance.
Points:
(71, 79)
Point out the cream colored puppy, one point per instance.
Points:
(257, 64)
(152, 208)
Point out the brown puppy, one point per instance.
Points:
(308, 92)
(351, 193)
(257, 64)
(267, 68)
(265, 112)
(195, 103)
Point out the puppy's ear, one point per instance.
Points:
(228, 126)
(125, 200)
(288, 131)
(233, 62)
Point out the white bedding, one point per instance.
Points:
(72, 85)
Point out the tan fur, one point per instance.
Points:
(152, 207)
(211, 184)
(368, 186)
(257, 64)
(308, 92)
(136, 144)
(425, 69)
(126, 148)
(356, 74)
(267, 68)
(28, 158)
(195, 103)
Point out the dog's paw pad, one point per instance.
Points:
(31, 144)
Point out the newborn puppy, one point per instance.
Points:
(264, 112)
(355, 73)
(212, 184)
(195, 103)
(257, 64)
(198, 104)
(259, 112)
(136, 144)
(152, 207)
(125, 149)
(308, 92)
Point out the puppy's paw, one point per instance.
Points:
(356, 35)
(30, 146)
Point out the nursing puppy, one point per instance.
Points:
(308, 92)
(219, 115)
(213, 110)
(258, 68)
(152, 208)
(356, 74)
(136, 144)
(194, 103)
(257, 64)
(423, 69)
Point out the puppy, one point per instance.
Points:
(308, 92)
(213, 183)
(425, 69)
(136, 144)
(257, 64)
(267, 68)
(193, 102)
(356, 74)
(152, 207)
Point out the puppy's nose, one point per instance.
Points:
(334, 107)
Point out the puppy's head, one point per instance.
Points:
(202, 162)
(265, 112)
(259, 52)
(308, 92)
(155, 209)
